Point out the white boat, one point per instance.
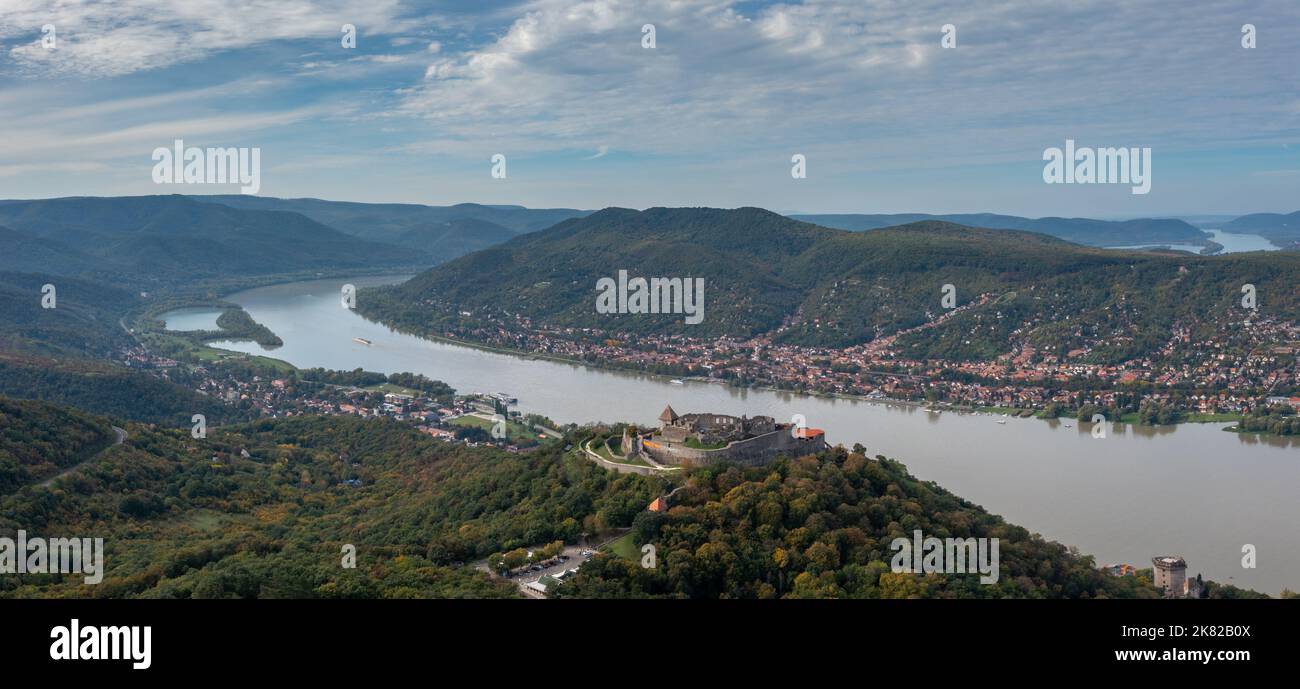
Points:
(675, 381)
(1001, 421)
(362, 340)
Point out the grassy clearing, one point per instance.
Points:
(601, 449)
(625, 548)
(515, 431)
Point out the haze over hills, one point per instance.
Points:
(1283, 230)
(1078, 230)
(159, 240)
(444, 231)
(84, 324)
(805, 284)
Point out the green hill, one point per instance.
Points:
(821, 527)
(445, 232)
(186, 518)
(105, 388)
(805, 284)
(1282, 230)
(263, 510)
(83, 322)
(150, 242)
(37, 440)
(1085, 231)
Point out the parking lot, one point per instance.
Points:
(571, 559)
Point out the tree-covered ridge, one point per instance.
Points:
(551, 275)
(37, 440)
(821, 527)
(809, 285)
(82, 323)
(151, 242)
(1282, 230)
(104, 388)
(185, 517)
(1078, 230)
(265, 509)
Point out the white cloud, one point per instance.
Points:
(852, 79)
(102, 39)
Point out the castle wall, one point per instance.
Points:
(752, 451)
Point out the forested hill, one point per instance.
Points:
(149, 242)
(1085, 231)
(38, 440)
(263, 510)
(821, 527)
(446, 232)
(82, 320)
(184, 517)
(812, 285)
(1282, 230)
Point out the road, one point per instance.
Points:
(121, 436)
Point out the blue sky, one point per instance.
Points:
(888, 120)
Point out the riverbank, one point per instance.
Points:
(1131, 418)
(1137, 492)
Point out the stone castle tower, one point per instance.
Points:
(1171, 574)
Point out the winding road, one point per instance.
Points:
(121, 436)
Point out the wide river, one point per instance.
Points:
(1192, 490)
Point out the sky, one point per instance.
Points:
(887, 119)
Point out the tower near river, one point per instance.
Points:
(1171, 575)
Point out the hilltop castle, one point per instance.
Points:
(705, 438)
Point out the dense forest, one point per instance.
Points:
(820, 527)
(264, 509)
(816, 286)
(83, 320)
(104, 388)
(196, 518)
(39, 440)
(1078, 230)
(153, 242)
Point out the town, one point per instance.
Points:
(472, 419)
(1248, 367)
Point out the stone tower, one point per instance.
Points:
(1171, 574)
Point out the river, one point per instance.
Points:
(1192, 490)
(1232, 243)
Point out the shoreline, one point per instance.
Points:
(608, 368)
(887, 401)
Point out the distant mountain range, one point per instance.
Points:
(445, 232)
(1084, 231)
(165, 240)
(813, 285)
